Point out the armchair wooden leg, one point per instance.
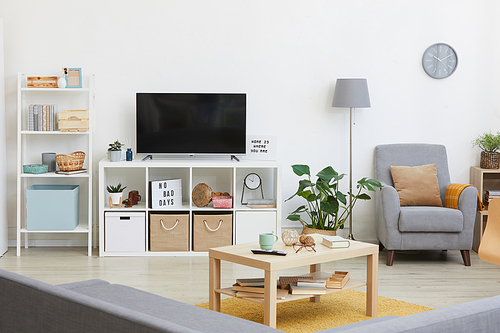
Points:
(390, 257)
(466, 257)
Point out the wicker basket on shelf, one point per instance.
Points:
(70, 162)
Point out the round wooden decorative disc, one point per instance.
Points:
(201, 195)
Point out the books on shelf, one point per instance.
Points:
(311, 283)
(306, 290)
(280, 294)
(491, 194)
(261, 203)
(59, 172)
(285, 281)
(338, 280)
(255, 289)
(42, 117)
(250, 282)
(335, 242)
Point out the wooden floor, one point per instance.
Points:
(432, 278)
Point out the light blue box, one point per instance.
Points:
(52, 207)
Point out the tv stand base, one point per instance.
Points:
(147, 158)
(235, 158)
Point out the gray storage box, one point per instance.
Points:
(52, 207)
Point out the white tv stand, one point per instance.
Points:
(220, 175)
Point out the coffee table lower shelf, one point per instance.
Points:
(289, 297)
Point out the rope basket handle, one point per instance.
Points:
(212, 230)
(168, 229)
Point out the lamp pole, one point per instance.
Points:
(351, 236)
(351, 93)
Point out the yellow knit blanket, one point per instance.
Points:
(453, 193)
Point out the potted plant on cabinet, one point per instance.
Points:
(115, 194)
(489, 143)
(115, 151)
(327, 207)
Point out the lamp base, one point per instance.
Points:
(351, 236)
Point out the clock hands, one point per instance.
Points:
(441, 61)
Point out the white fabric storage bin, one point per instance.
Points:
(125, 231)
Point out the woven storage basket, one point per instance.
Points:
(70, 162)
(489, 160)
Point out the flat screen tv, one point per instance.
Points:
(191, 123)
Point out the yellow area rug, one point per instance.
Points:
(335, 309)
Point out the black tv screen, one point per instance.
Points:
(191, 123)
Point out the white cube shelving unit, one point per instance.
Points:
(221, 176)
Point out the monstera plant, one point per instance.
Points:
(326, 206)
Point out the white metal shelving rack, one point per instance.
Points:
(31, 144)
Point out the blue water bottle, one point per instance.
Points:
(129, 154)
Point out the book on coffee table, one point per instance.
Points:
(335, 242)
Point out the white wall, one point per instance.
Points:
(286, 55)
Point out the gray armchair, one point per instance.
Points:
(421, 227)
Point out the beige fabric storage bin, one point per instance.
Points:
(212, 230)
(168, 232)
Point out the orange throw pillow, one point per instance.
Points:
(417, 186)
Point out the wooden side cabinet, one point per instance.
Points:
(484, 180)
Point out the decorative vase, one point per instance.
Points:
(114, 155)
(307, 231)
(115, 197)
(489, 160)
(61, 82)
(289, 237)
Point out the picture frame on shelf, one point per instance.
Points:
(74, 78)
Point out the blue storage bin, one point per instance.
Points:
(52, 207)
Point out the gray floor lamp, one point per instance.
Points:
(351, 93)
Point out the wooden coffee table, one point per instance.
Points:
(271, 264)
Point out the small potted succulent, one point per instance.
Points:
(115, 193)
(489, 143)
(115, 151)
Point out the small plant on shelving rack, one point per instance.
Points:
(116, 189)
(115, 151)
(115, 194)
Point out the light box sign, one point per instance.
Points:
(261, 147)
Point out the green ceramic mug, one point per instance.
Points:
(266, 240)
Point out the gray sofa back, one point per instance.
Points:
(28, 305)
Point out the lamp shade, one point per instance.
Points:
(351, 93)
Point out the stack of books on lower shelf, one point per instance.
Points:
(314, 283)
(308, 287)
(491, 194)
(254, 288)
(338, 280)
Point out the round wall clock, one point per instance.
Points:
(252, 181)
(439, 61)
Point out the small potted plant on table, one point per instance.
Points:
(115, 151)
(115, 195)
(489, 143)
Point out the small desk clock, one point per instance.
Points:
(252, 181)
